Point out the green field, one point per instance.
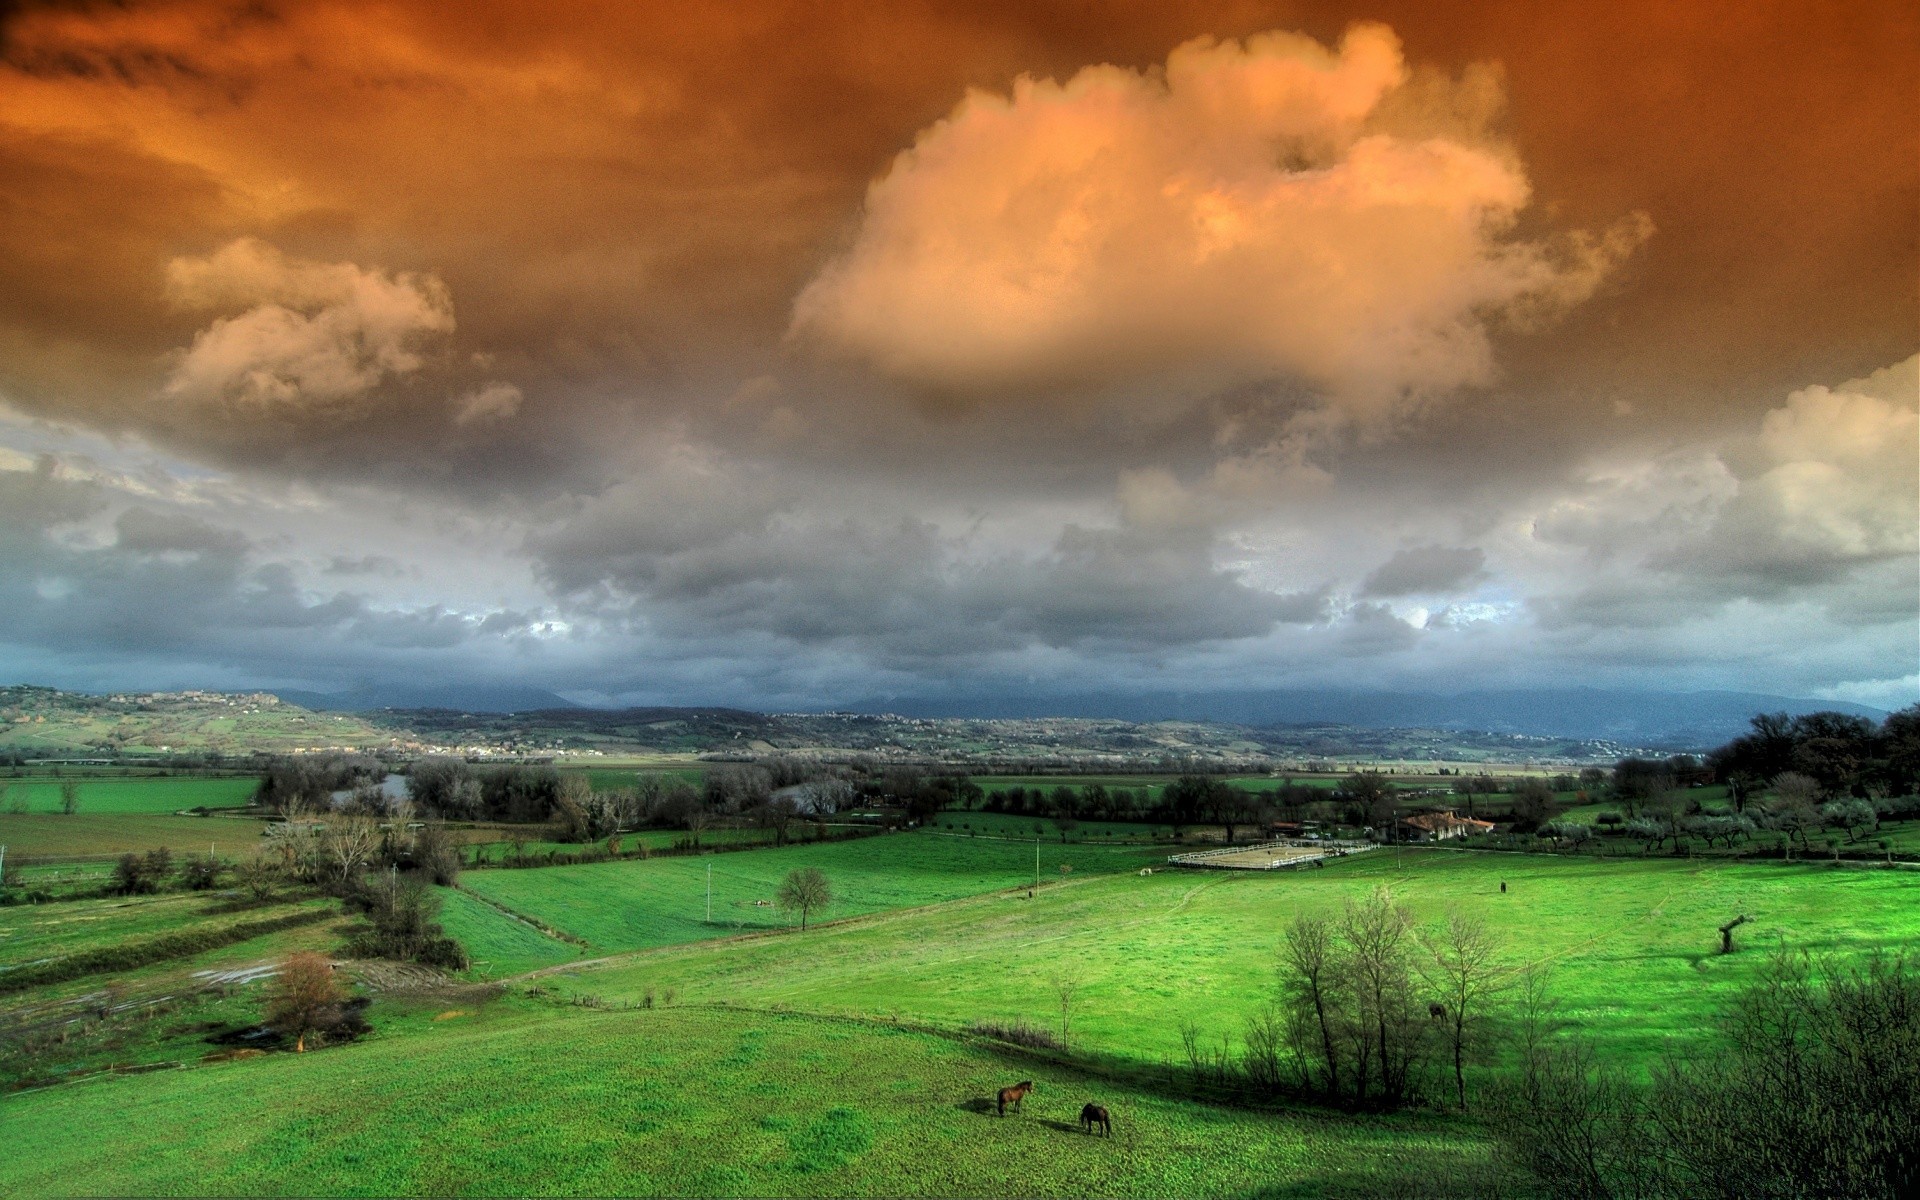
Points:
(30, 932)
(662, 901)
(103, 835)
(122, 794)
(512, 1100)
(497, 944)
(835, 1061)
(1631, 944)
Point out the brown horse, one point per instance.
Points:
(1014, 1095)
(1095, 1114)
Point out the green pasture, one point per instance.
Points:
(633, 904)
(124, 795)
(30, 932)
(1632, 944)
(496, 944)
(681, 1102)
(105, 834)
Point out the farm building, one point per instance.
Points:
(1439, 826)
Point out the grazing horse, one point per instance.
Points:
(1014, 1095)
(1095, 1114)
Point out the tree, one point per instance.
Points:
(200, 873)
(778, 815)
(1311, 983)
(69, 796)
(435, 854)
(1533, 805)
(1066, 825)
(1064, 987)
(571, 820)
(348, 845)
(257, 873)
(805, 890)
(1463, 970)
(303, 997)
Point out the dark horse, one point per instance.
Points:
(1014, 1095)
(1094, 1114)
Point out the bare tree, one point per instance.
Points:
(349, 844)
(1064, 986)
(805, 890)
(1310, 979)
(1378, 935)
(1464, 972)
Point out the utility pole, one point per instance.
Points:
(709, 893)
(1036, 858)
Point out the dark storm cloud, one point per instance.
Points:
(1426, 570)
(461, 330)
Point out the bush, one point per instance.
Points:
(200, 874)
(400, 911)
(141, 874)
(1018, 1033)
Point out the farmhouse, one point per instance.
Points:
(1439, 826)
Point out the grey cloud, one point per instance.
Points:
(365, 564)
(142, 530)
(1427, 570)
(900, 591)
(1372, 628)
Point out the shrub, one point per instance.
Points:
(201, 873)
(1017, 1033)
(304, 997)
(400, 911)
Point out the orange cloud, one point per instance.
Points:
(1254, 210)
(312, 336)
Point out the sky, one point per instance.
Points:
(793, 355)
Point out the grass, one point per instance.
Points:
(88, 834)
(30, 932)
(1632, 944)
(635, 904)
(123, 795)
(512, 1101)
(1008, 825)
(497, 944)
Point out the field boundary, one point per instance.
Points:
(1279, 855)
(154, 950)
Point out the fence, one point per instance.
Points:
(1268, 856)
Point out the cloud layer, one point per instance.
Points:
(1139, 346)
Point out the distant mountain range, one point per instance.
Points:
(1644, 718)
(478, 698)
(1682, 719)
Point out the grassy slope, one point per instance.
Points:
(634, 904)
(497, 944)
(1632, 944)
(673, 1102)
